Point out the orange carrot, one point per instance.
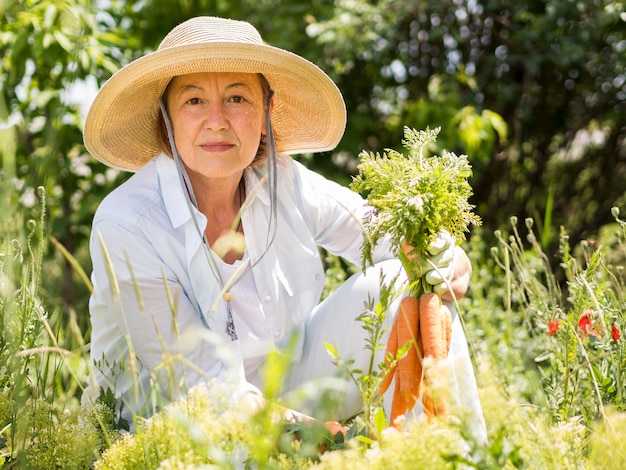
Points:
(427, 323)
(398, 405)
(447, 317)
(407, 373)
(392, 348)
(435, 325)
(409, 367)
(430, 319)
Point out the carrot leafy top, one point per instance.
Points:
(414, 196)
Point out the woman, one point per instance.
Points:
(207, 122)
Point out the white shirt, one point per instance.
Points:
(153, 286)
(255, 337)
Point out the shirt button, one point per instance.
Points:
(277, 333)
(318, 277)
(267, 299)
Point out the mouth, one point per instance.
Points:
(217, 146)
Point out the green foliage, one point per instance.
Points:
(478, 132)
(606, 449)
(495, 325)
(204, 430)
(207, 427)
(39, 420)
(414, 196)
(57, 440)
(577, 336)
(181, 433)
(522, 435)
(550, 71)
(533, 92)
(22, 316)
(371, 421)
(50, 51)
(420, 447)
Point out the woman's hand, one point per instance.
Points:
(447, 268)
(461, 274)
(254, 403)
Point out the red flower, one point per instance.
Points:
(584, 323)
(615, 333)
(553, 327)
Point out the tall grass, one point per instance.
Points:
(575, 325)
(553, 396)
(555, 323)
(41, 424)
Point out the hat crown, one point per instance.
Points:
(208, 29)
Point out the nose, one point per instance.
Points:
(215, 117)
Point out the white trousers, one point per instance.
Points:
(334, 322)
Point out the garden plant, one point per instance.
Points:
(547, 346)
(533, 92)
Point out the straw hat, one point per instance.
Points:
(121, 129)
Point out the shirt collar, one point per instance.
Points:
(256, 186)
(175, 199)
(173, 193)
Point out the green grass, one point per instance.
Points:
(550, 400)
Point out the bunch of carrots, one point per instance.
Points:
(426, 323)
(414, 197)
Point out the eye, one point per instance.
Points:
(237, 99)
(193, 101)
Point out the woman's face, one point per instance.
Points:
(217, 119)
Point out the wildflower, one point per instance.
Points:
(553, 327)
(584, 323)
(615, 333)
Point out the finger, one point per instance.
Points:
(441, 288)
(439, 275)
(443, 241)
(443, 258)
(443, 262)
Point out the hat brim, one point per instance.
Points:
(121, 128)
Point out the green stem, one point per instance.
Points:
(417, 284)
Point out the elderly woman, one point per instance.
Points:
(207, 258)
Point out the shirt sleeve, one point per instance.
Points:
(335, 215)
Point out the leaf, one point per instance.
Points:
(380, 421)
(63, 41)
(331, 350)
(365, 440)
(403, 350)
(496, 121)
(414, 196)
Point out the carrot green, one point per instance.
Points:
(414, 196)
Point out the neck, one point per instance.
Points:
(220, 201)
